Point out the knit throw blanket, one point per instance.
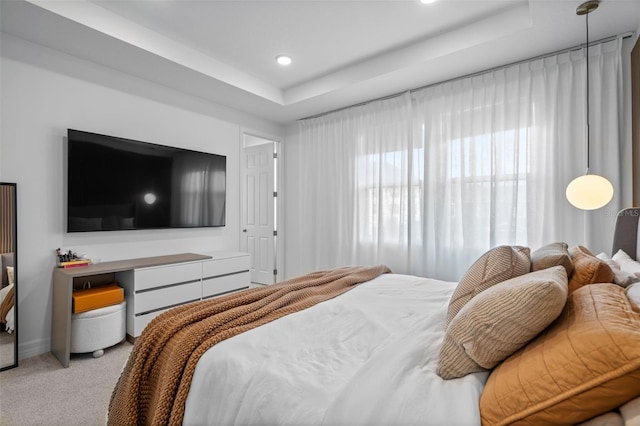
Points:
(154, 385)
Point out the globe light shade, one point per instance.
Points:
(589, 192)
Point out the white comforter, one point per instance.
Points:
(367, 357)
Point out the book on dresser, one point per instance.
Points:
(74, 263)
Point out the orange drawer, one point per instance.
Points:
(99, 297)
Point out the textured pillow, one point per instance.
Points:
(553, 254)
(620, 277)
(10, 275)
(501, 320)
(587, 269)
(585, 364)
(498, 264)
(626, 263)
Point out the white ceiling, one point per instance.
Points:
(344, 51)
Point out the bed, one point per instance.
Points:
(531, 337)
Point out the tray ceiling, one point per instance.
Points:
(343, 52)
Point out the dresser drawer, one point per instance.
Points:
(151, 300)
(165, 275)
(141, 321)
(225, 284)
(217, 267)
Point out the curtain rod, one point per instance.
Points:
(475, 74)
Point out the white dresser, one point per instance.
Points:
(224, 273)
(150, 291)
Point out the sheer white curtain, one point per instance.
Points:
(427, 181)
(354, 171)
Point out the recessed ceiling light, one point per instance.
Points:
(427, 1)
(283, 59)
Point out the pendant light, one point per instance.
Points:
(589, 192)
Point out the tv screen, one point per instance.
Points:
(116, 184)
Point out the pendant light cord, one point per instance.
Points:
(587, 62)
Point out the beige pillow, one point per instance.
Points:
(585, 364)
(553, 254)
(588, 269)
(10, 275)
(501, 320)
(498, 264)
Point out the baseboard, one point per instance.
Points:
(33, 348)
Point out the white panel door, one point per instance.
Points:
(258, 227)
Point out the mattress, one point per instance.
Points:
(368, 357)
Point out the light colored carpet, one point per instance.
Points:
(7, 348)
(41, 392)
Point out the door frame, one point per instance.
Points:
(278, 202)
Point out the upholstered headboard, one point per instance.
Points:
(626, 235)
(6, 259)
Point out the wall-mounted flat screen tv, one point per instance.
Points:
(116, 184)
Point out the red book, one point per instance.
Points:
(75, 264)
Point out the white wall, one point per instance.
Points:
(37, 106)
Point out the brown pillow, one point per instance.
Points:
(498, 264)
(501, 320)
(585, 364)
(552, 255)
(587, 269)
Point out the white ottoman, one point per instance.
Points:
(95, 330)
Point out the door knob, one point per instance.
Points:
(244, 230)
